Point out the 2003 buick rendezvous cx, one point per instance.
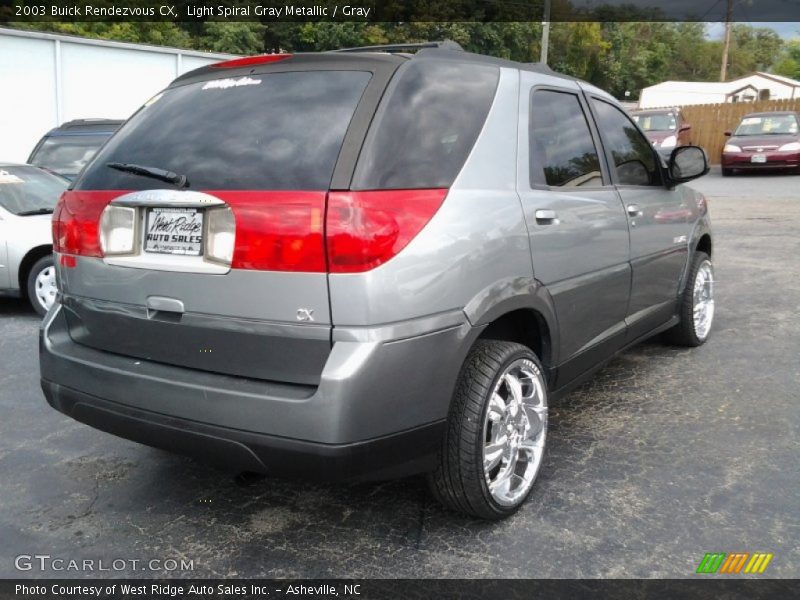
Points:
(366, 264)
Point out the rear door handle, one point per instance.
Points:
(634, 210)
(546, 217)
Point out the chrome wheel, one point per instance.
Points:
(514, 432)
(703, 300)
(45, 287)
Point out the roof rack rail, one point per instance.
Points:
(443, 45)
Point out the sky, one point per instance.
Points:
(786, 30)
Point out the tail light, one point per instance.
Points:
(365, 229)
(278, 231)
(221, 234)
(117, 230)
(76, 222)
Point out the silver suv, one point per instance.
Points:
(368, 264)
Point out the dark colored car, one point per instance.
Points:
(67, 148)
(363, 265)
(763, 141)
(667, 129)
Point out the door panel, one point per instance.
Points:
(658, 219)
(576, 223)
(4, 280)
(659, 251)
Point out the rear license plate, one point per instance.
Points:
(758, 158)
(174, 231)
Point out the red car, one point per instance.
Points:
(666, 128)
(763, 141)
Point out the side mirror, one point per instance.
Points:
(728, 133)
(687, 163)
(685, 127)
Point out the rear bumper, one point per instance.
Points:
(390, 456)
(378, 412)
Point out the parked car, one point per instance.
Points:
(28, 196)
(367, 264)
(67, 148)
(767, 140)
(665, 128)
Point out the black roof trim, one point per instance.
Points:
(76, 123)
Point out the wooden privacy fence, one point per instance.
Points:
(711, 121)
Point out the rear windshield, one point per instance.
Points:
(279, 131)
(67, 154)
(28, 190)
(423, 132)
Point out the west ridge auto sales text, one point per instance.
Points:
(172, 590)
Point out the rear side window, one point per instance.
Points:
(279, 131)
(562, 152)
(634, 157)
(67, 154)
(426, 126)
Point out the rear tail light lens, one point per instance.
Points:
(366, 229)
(117, 230)
(76, 222)
(221, 235)
(278, 231)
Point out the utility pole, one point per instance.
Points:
(545, 32)
(723, 72)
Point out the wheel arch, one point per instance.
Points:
(27, 262)
(518, 310)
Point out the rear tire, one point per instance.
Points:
(696, 310)
(497, 428)
(42, 284)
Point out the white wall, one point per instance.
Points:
(777, 90)
(48, 79)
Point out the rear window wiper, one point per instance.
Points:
(152, 172)
(35, 211)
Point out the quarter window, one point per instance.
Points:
(634, 157)
(562, 152)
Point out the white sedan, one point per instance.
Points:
(28, 196)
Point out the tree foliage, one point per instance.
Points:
(618, 56)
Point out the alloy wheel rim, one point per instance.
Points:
(703, 300)
(514, 432)
(46, 287)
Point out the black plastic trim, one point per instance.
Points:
(401, 454)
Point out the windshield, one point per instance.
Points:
(279, 131)
(768, 125)
(67, 154)
(656, 121)
(29, 190)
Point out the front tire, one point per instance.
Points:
(696, 309)
(727, 172)
(42, 285)
(496, 434)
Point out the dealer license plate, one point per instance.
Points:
(758, 158)
(174, 231)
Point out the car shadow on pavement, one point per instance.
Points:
(16, 307)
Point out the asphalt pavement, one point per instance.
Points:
(665, 455)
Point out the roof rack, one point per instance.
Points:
(443, 45)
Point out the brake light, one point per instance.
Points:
(278, 231)
(248, 61)
(76, 221)
(366, 229)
